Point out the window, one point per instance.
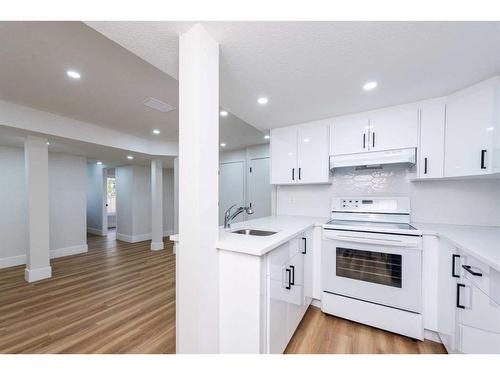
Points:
(111, 195)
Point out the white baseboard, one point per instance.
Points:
(13, 261)
(98, 232)
(72, 250)
(316, 302)
(139, 237)
(32, 275)
(432, 336)
(18, 260)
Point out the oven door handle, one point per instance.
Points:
(374, 241)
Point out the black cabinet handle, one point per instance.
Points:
(483, 157)
(305, 245)
(289, 273)
(458, 295)
(293, 174)
(300, 170)
(453, 267)
(364, 140)
(373, 140)
(469, 269)
(293, 275)
(425, 165)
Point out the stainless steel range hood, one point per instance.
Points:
(374, 158)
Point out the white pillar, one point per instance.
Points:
(176, 195)
(197, 258)
(37, 209)
(156, 204)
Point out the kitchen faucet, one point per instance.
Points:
(228, 217)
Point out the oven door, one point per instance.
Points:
(379, 268)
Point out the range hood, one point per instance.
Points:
(374, 158)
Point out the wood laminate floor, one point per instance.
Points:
(117, 298)
(120, 298)
(322, 333)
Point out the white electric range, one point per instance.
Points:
(372, 264)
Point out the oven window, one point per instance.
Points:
(379, 268)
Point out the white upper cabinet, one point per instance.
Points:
(299, 154)
(470, 125)
(283, 155)
(313, 158)
(387, 129)
(431, 146)
(349, 135)
(393, 128)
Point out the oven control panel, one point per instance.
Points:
(371, 204)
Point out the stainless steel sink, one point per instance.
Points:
(254, 232)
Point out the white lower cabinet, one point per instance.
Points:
(287, 303)
(468, 318)
(264, 298)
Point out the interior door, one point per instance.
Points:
(393, 129)
(349, 135)
(283, 155)
(259, 188)
(231, 188)
(312, 152)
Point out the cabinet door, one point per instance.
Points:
(349, 135)
(393, 129)
(284, 155)
(479, 321)
(469, 129)
(277, 327)
(449, 271)
(431, 155)
(313, 159)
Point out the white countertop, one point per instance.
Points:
(286, 227)
(481, 242)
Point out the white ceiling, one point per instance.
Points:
(109, 156)
(35, 56)
(315, 70)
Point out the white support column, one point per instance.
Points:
(197, 257)
(37, 209)
(156, 204)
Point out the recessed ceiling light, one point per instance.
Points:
(130, 157)
(73, 74)
(262, 100)
(156, 131)
(223, 144)
(223, 113)
(369, 85)
(48, 143)
(99, 163)
(267, 136)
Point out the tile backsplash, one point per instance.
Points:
(470, 202)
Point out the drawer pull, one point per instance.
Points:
(292, 282)
(469, 269)
(453, 267)
(289, 277)
(458, 295)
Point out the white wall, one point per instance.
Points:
(12, 203)
(133, 202)
(67, 201)
(469, 202)
(95, 201)
(67, 205)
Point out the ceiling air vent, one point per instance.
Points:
(158, 105)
